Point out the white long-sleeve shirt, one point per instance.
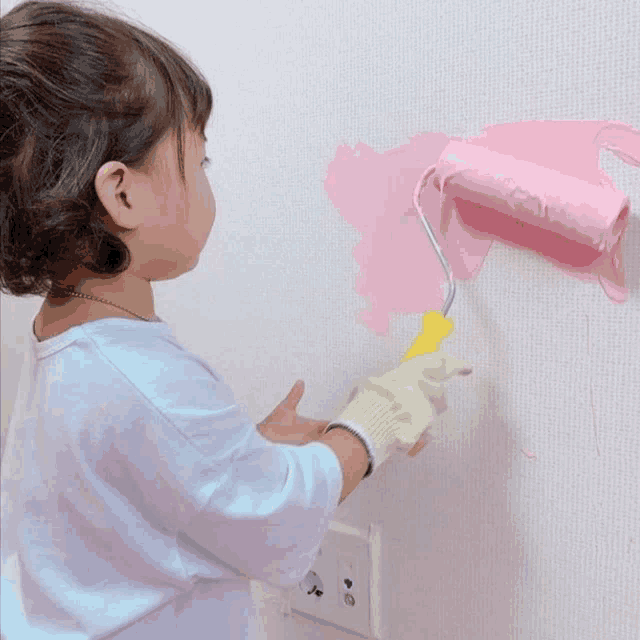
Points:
(138, 498)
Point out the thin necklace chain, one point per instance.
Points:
(89, 297)
(77, 294)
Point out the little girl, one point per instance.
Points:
(138, 498)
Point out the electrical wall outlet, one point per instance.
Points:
(342, 588)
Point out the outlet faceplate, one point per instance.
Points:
(346, 569)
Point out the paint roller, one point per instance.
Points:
(574, 223)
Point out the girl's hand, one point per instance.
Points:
(284, 426)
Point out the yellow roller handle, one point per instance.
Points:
(435, 328)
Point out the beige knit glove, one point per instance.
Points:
(392, 411)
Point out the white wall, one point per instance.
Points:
(482, 542)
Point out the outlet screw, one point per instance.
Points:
(349, 600)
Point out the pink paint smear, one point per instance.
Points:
(535, 185)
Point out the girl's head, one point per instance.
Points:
(101, 150)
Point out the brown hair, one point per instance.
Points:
(79, 88)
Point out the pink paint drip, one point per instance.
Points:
(400, 271)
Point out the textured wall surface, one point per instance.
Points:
(483, 541)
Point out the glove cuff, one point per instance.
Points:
(370, 418)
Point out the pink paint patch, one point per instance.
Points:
(529, 454)
(374, 193)
(524, 168)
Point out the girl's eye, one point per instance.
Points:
(206, 162)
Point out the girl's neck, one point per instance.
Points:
(132, 293)
(61, 312)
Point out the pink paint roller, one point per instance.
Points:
(572, 222)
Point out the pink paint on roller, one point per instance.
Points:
(568, 211)
(534, 185)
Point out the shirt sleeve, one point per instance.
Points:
(196, 467)
(268, 517)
